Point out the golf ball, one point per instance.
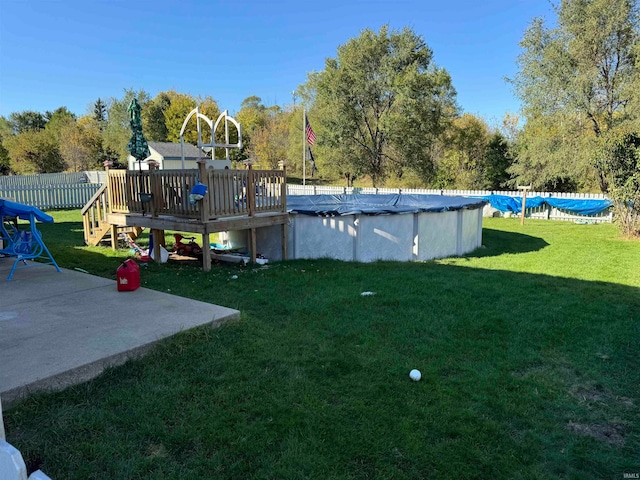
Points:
(415, 375)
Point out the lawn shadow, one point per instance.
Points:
(498, 242)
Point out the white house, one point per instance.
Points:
(169, 157)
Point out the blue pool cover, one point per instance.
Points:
(350, 204)
(505, 203)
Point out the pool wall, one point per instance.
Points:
(366, 238)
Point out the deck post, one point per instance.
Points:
(205, 207)
(206, 252)
(158, 236)
(114, 237)
(253, 245)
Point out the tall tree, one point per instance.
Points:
(153, 118)
(464, 162)
(253, 115)
(81, 145)
(100, 111)
(26, 121)
(498, 160)
(58, 120)
(382, 103)
(577, 81)
(270, 142)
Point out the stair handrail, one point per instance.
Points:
(94, 199)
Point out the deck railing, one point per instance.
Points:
(246, 192)
(166, 192)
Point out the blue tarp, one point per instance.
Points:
(505, 203)
(24, 212)
(331, 205)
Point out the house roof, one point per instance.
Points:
(172, 150)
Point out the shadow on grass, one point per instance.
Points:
(498, 242)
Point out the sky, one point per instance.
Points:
(69, 53)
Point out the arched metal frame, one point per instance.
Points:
(213, 126)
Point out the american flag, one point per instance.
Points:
(311, 136)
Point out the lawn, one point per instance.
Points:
(528, 349)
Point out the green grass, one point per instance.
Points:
(528, 350)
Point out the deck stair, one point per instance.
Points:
(97, 228)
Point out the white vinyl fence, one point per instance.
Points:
(74, 195)
(43, 179)
(544, 212)
(52, 190)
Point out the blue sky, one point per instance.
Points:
(68, 53)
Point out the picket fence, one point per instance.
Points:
(52, 190)
(544, 212)
(69, 195)
(43, 179)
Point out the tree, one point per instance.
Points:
(577, 82)
(498, 161)
(618, 159)
(381, 103)
(34, 151)
(26, 121)
(270, 143)
(153, 118)
(100, 111)
(58, 120)
(253, 115)
(464, 161)
(81, 145)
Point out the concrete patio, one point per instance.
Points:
(62, 328)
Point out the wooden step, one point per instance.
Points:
(98, 234)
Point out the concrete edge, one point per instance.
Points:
(89, 371)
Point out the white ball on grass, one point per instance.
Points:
(415, 375)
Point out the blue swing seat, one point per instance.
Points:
(23, 245)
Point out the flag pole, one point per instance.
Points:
(304, 144)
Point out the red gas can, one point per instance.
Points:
(128, 276)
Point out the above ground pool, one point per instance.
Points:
(366, 228)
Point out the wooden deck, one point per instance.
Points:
(159, 200)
